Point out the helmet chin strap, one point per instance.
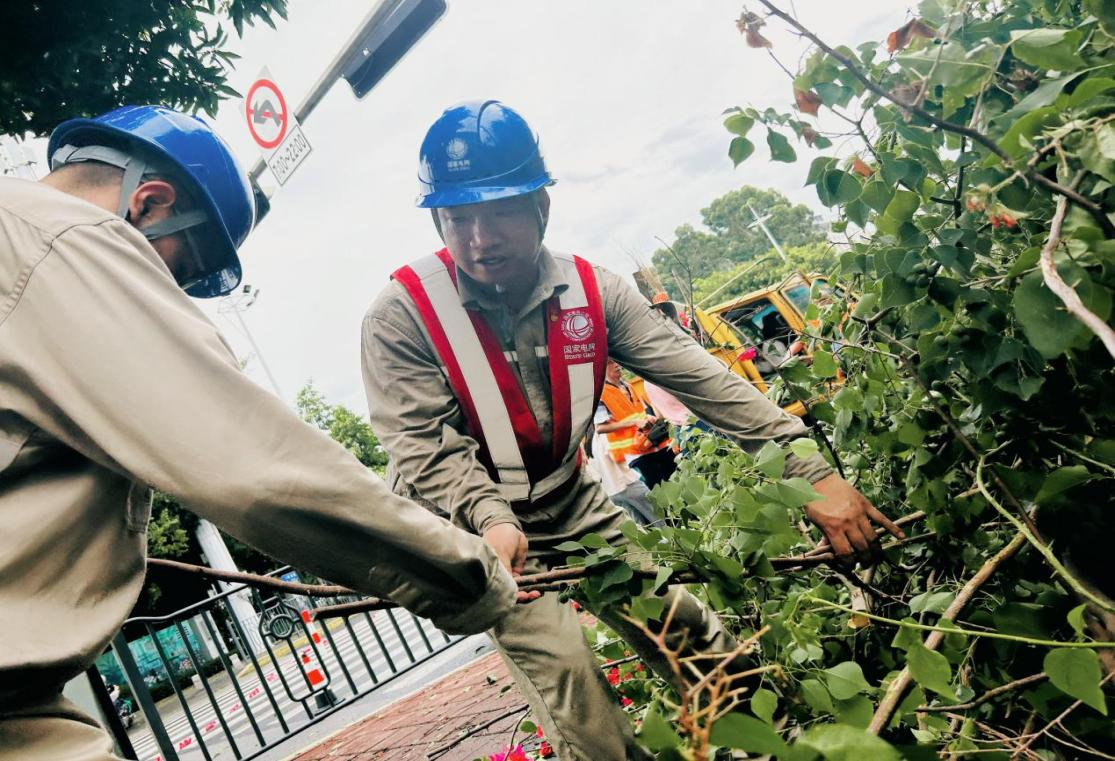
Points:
(134, 170)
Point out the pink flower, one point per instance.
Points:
(544, 750)
(511, 754)
(613, 676)
(748, 354)
(626, 702)
(538, 731)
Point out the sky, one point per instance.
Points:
(627, 96)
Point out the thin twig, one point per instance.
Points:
(441, 751)
(1056, 722)
(255, 580)
(1038, 677)
(889, 704)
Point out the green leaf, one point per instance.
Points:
(856, 711)
(1026, 127)
(1061, 480)
(1105, 140)
(931, 670)
(771, 460)
(763, 704)
(1105, 12)
(656, 733)
(816, 696)
(795, 492)
(1089, 89)
(931, 602)
(528, 726)
(1048, 326)
(1048, 48)
(877, 195)
(845, 680)
(780, 148)
(569, 547)
(593, 541)
(841, 742)
(1076, 619)
(620, 573)
(803, 447)
(837, 187)
(739, 124)
(906, 636)
(824, 364)
(1076, 672)
(739, 149)
(737, 730)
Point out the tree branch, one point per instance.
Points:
(889, 704)
(973, 134)
(1063, 290)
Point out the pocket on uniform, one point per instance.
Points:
(14, 433)
(139, 507)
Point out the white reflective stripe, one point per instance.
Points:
(499, 435)
(574, 296)
(582, 394)
(541, 351)
(511, 356)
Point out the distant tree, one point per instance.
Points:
(343, 425)
(64, 59)
(814, 258)
(730, 239)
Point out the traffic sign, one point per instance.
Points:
(274, 128)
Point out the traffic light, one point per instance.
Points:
(387, 42)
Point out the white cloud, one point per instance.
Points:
(626, 95)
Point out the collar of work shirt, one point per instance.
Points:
(550, 283)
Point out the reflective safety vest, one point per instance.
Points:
(524, 467)
(623, 408)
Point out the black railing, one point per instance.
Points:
(244, 687)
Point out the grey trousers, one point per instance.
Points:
(52, 732)
(545, 650)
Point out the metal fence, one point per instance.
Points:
(208, 685)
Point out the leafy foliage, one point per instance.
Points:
(731, 236)
(966, 392)
(343, 425)
(64, 59)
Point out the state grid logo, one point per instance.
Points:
(456, 149)
(576, 325)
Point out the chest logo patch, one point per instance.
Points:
(576, 325)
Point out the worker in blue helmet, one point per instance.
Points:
(112, 381)
(484, 365)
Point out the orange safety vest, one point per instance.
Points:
(624, 405)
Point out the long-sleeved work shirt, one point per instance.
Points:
(112, 380)
(418, 420)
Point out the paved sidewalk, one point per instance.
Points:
(420, 725)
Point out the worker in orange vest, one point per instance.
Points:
(633, 430)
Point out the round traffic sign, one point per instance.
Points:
(266, 111)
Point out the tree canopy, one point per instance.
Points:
(65, 59)
(730, 238)
(343, 425)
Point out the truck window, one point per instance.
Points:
(767, 330)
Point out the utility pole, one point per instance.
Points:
(760, 222)
(236, 305)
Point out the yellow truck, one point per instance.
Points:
(755, 333)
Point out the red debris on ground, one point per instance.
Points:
(431, 719)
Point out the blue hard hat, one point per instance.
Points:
(479, 151)
(188, 147)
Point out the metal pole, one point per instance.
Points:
(376, 16)
(255, 349)
(143, 696)
(763, 227)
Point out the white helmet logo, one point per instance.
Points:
(457, 149)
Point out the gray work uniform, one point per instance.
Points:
(434, 460)
(111, 379)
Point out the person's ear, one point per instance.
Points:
(152, 200)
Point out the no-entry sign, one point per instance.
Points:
(274, 128)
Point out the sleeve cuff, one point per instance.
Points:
(497, 601)
(492, 513)
(812, 469)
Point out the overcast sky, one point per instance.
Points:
(627, 96)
